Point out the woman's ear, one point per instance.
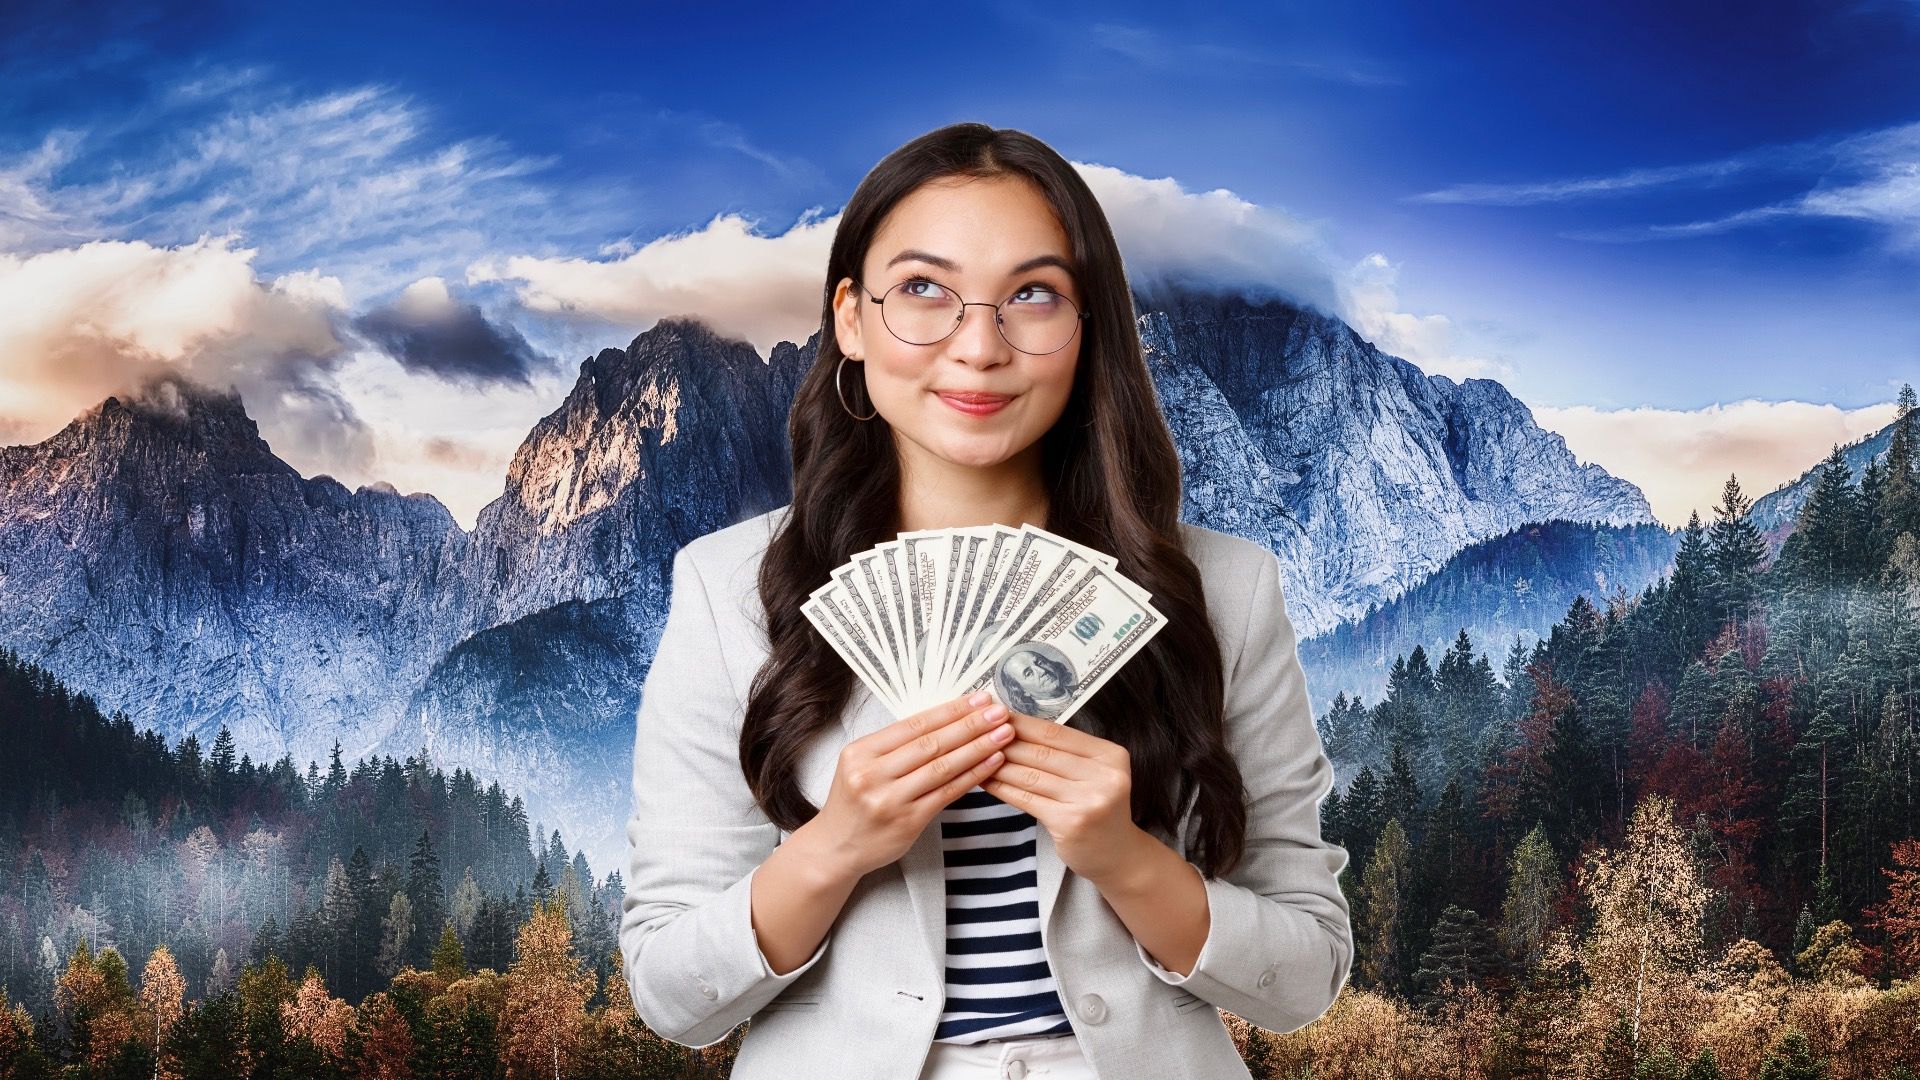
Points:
(846, 319)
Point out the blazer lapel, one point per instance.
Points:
(924, 864)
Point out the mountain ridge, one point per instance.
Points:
(222, 587)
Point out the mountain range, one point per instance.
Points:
(158, 554)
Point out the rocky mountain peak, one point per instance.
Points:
(168, 418)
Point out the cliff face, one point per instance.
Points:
(1360, 471)
(157, 554)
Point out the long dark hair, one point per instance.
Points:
(1113, 482)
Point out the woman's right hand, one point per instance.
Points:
(888, 785)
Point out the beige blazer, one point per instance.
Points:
(866, 1003)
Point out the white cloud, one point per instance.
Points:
(1681, 457)
(454, 440)
(78, 324)
(1216, 238)
(755, 288)
(1371, 307)
(765, 289)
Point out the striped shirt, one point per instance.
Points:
(998, 982)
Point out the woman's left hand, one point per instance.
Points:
(1076, 784)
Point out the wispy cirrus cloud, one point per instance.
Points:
(1632, 181)
(359, 179)
(1871, 176)
(1156, 48)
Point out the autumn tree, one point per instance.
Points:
(1378, 933)
(379, 1040)
(95, 998)
(547, 994)
(1647, 901)
(1898, 916)
(18, 1051)
(1832, 957)
(317, 1016)
(463, 1027)
(163, 993)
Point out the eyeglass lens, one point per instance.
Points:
(1034, 320)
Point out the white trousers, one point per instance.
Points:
(1056, 1057)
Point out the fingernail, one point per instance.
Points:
(996, 712)
(980, 698)
(1003, 732)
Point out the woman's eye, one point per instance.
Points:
(1045, 294)
(909, 286)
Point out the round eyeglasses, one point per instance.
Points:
(1034, 320)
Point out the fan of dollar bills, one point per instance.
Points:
(1038, 621)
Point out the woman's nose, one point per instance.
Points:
(977, 340)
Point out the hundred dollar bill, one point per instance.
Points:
(999, 543)
(927, 571)
(852, 647)
(1051, 582)
(897, 587)
(1036, 553)
(855, 578)
(963, 573)
(1053, 663)
(878, 574)
(917, 617)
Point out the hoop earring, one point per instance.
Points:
(843, 393)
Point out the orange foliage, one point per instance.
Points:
(383, 1039)
(315, 1015)
(547, 992)
(1898, 916)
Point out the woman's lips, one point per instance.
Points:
(976, 404)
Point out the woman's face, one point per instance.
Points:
(979, 231)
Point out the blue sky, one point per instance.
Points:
(1686, 235)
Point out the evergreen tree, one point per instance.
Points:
(222, 775)
(423, 896)
(449, 962)
(1735, 552)
(1895, 498)
(1704, 1066)
(1380, 934)
(1401, 797)
(1792, 1059)
(1462, 952)
(1366, 815)
(1826, 545)
(1527, 915)
(266, 942)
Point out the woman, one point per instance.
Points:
(1094, 892)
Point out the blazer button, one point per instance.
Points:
(1093, 1008)
(1266, 979)
(707, 989)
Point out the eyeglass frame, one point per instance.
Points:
(999, 320)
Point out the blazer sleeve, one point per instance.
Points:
(694, 839)
(1279, 945)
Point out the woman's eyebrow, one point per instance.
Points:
(916, 255)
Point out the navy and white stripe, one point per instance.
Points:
(998, 982)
